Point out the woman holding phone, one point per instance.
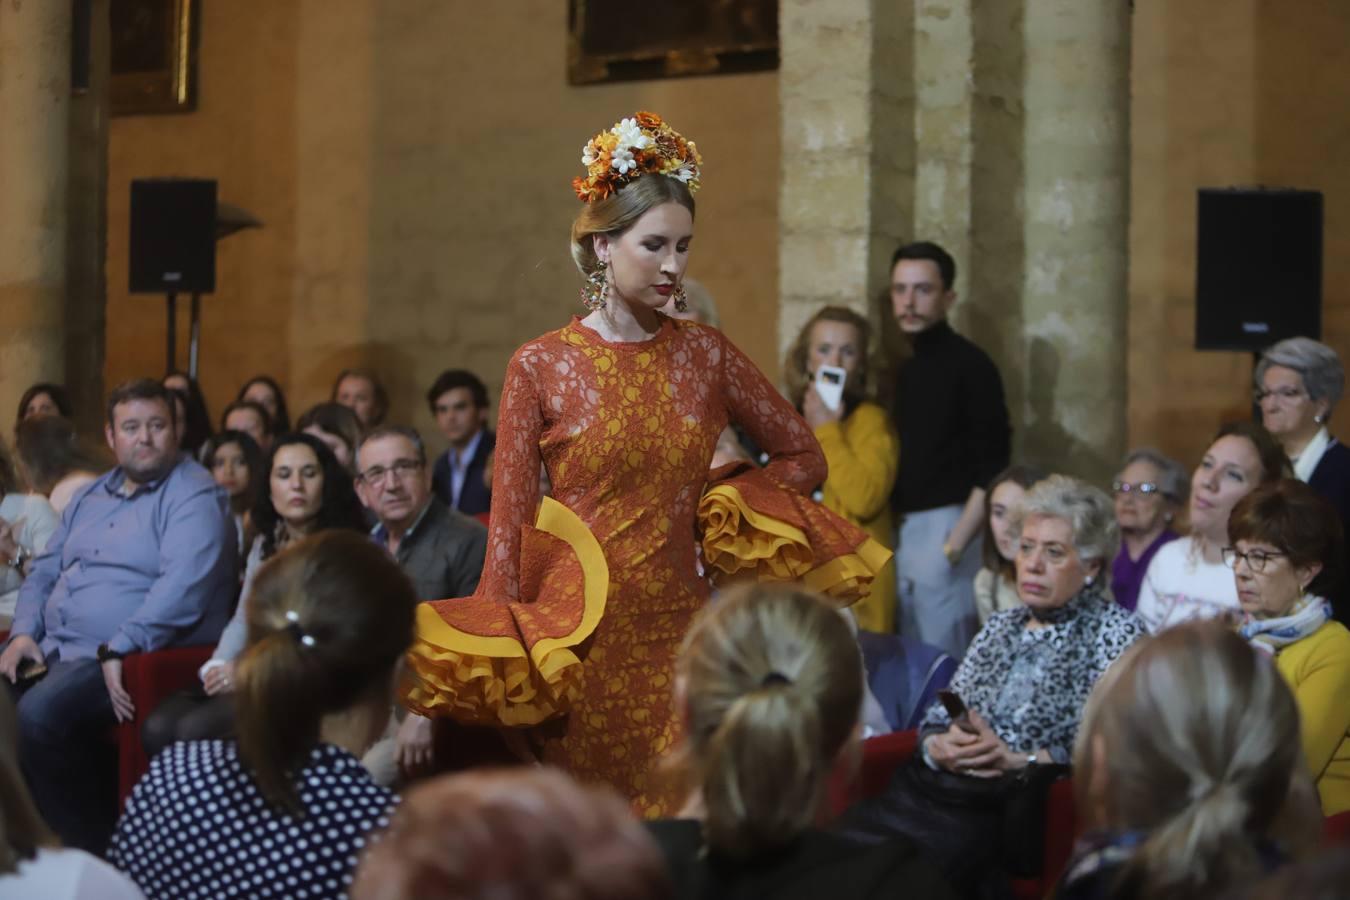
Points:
(827, 380)
(1017, 697)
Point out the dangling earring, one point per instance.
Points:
(1319, 418)
(681, 301)
(594, 291)
(1089, 581)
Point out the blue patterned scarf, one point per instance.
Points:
(1271, 635)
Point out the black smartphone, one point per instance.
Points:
(956, 708)
(30, 669)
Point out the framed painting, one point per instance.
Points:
(153, 56)
(619, 40)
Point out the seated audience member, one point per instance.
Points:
(1024, 682)
(52, 461)
(459, 401)
(144, 559)
(996, 582)
(194, 425)
(27, 522)
(236, 463)
(336, 426)
(860, 445)
(44, 399)
(770, 684)
(264, 390)
(1299, 381)
(521, 834)
(1150, 490)
(362, 392)
(1286, 551)
(33, 864)
(1188, 772)
(439, 549)
(250, 418)
(1187, 578)
(307, 491)
(285, 810)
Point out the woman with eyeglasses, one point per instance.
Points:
(1298, 383)
(1285, 550)
(1149, 491)
(307, 491)
(1187, 578)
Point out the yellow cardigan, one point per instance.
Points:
(1318, 670)
(863, 453)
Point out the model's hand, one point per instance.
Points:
(415, 744)
(20, 647)
(123, 708)
(815, 412)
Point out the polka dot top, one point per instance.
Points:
(197, 826)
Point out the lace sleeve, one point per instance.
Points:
(515, 478)
(795, 457)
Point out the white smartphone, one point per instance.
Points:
(829, 382)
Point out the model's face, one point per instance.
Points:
(393, 483)
(229, 467)
(259, 393)
(648, 260)
(357, 393)
(1002, 501)
(1140, 506)
(1049, 570)
(457, 417)
(334, 443)
(918, 298)
(833, 344)
(296, 484)
(250, 423)
(1286, 409)
(41, 404)
(1271, 592)
(143, 439)
(1230, 470)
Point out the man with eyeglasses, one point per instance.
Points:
(439, 549)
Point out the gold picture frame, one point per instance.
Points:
(153, 56)
(619, 40)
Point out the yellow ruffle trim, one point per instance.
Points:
(742, 542)
(484, 680)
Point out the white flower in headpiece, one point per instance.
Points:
(622, 159)
(683, 173)
(588, 153)
(630, 134)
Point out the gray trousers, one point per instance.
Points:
(936, 599)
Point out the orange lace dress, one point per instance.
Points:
(605, 571)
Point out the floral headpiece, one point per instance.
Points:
(642, 145)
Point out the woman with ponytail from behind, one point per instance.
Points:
(284, 811)
(769, 684)
(1189, 772)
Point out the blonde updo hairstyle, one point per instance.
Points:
(328, 618)
(616, 213)
(771, 680)
(1193, 738)
(795, 374)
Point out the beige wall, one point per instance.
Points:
(1225, 92)
(413, 167)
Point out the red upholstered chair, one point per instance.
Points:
(881, 756)
(150, 678)
(1336, 829)
(483, 517)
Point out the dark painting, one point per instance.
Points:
(614, 40)
(152, 56)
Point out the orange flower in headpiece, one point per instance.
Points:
(637, 146)
(649, 120)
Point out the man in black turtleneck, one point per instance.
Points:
(954, 438)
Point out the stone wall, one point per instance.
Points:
(412, 163)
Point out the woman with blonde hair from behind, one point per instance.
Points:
(1189, 772)
(861, 448)
(769, 684)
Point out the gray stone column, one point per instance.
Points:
(34, 122)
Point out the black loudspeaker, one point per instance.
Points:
(1258, 267)
(173, 236)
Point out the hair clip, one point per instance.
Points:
(295, 631)
(775, 678)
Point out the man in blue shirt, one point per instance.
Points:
(459, 401)
(144, 559)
